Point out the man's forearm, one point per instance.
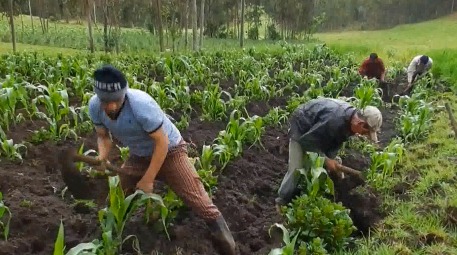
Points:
(158, 157)
(104, 147)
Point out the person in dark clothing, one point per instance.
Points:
(322, 125)
(373, 67)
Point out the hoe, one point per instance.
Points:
(81, 186)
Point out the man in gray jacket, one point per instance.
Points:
(322, 125)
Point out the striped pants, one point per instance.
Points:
(179, 174)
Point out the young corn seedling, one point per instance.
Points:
(4, 225)
(414, 122)
(213, 106)
(58, 109)
(9, 99)
(289, 245)
(254, 128)
(124, 152)
(10, 150)
(276, 117)
(367, 94)
(385, 161)
(317, 181)
(223, 151)
(206, 169)
(113, 219)
(166, 212)
(59, 244)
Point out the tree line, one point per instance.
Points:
(285, 19)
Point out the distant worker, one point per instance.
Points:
(373, 67)
(322, 125)
(420, 65)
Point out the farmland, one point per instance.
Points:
(232, 108)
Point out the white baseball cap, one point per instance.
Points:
(373, 117)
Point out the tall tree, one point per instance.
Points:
(202, 19)
(159, 23)
(13, 33)
(186, 26)
(242, 24)
(194, 25)
(31, 16)
(89, 5)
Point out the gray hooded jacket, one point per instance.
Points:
(322, 125)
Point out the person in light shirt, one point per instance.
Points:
(419, 65)
(157, 151)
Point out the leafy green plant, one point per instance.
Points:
(385, 161)
(317, 182)
(367, 93)
(289, 245)
(113, 219)
(59, 244)
(5, 225)
(414, 121)
(314, 217)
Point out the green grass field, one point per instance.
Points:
(418, 224)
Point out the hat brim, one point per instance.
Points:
(110, 96)
(373, 136)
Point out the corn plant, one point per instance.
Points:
(59, 244)
(316, 179)
(57, 111)
(385, 161)
(12, 151)
(289, 244)
(113, 219)
(4, 225)
(165, 212)
(414, 121)
(254, 128)
(367, 94)
(206, 169)
(276, 117)
(213, 106)
(124, 151)
(9, 99)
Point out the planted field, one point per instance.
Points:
(232, 108)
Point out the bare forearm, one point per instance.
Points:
(104, 146)
(158, 157)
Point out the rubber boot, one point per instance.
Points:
(222, 237)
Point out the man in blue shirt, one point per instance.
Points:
(157, 150)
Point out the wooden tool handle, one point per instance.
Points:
(95, 162)
(349, 170)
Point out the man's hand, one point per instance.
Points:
(102, 166)
(331, 164)
(145, 184)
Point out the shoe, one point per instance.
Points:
(222, 237)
